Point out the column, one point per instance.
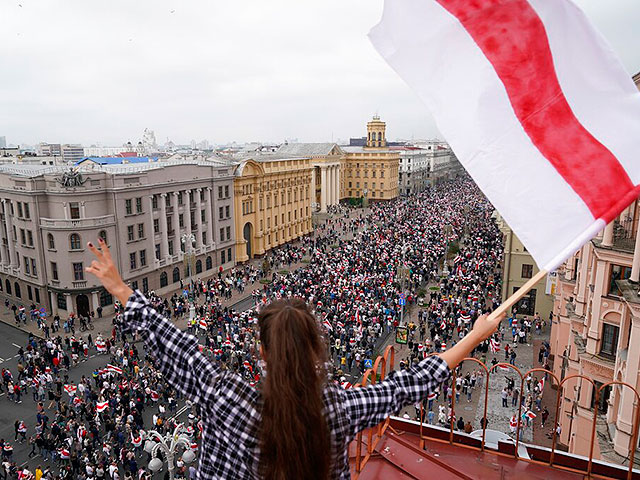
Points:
(208, 212)
(594, 326)
(67, 297)
(187, 213)
(323, 189)
(635, 266)
(176, 226)
(313, 187)
(337, 184)
(624, 422)
(8, 225)
(164, 230)
(94, 300)
(332, 185)
(607, 239)
(198, 218)
(53, 299)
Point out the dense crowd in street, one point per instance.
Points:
(354, 272)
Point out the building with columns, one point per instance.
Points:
(273, 199)
(371, 172)
(142, 210)
(327, 160)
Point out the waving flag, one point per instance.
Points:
(494, 345)
(114, 369)
(530, 414)
(524, 116)
(102, 406)
(431, 396)
(327, 325)
(70, 389)
(541, 385)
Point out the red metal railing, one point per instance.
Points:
(375, 433)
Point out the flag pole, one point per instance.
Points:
(521, 292)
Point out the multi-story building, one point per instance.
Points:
(143, 211)
(69, 152)
(272, 202)
(371, 172)
(327, 161)
(596, 333)
(3, 142)
(519, 267)
(415, 166)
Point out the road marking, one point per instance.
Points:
(17, 346)
(16, 356)
(91, 356)
(1, 394)
(1, 360)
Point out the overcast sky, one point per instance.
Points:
(88, 71)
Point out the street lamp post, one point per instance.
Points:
(168, 445)
(189, 257)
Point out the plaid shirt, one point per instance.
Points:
(230, 407)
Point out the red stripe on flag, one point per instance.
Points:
(514, 40)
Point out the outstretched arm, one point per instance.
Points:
(183, 365)
(369, 406)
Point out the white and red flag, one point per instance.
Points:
(541, 385)
(530, 414)
(494, 345)
(114, 369)
(551, 140)
(70, 389)
(102, 406)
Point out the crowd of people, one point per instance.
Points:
(440, 249)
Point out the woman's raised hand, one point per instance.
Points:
(106, 271)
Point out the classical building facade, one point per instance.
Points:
(143, 211)
(371, 172)
(596, 333)
(273, 197)
(327, 161)
(415, 167)
(519, 267)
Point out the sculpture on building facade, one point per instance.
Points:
(71, 178)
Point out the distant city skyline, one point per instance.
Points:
(243, 71)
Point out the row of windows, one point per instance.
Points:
(128, 205)
(366, 185)
(371, 194)
(224, 212)
(33, 294)
(105, 299)
(75, 242)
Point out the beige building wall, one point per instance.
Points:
(272, 203)
(518, 268)
(371, 171)
(142, 210)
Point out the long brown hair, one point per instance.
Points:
(294, 436)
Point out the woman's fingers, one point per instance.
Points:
(104, 248)
(94, 250)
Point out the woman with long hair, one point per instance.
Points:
(296, 424)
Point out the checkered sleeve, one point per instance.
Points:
(368, 406)
(183, 365)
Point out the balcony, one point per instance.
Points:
(79, 284)
(78, 223)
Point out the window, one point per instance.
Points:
(192, 218)
(143, 258)
(23, 237)
(227, 211)
(134, 285)
(179, 198)
(19, 209)
(78, 271)
(157, 250)
(223, 256)
(26, 266)
(128, 208)
(105, 298)
(139, 205)
(164, 281)
(209, 263)
(27, 214)
(141, 230)
(154, 202)
(51, 242)
(133, 264)
(220, 213)
(229, 253)
(145, 285)
(62, 301)
(54, 270)
(29, 292)
(103, 236)
(609, 343)
(156, 225)
(202, 215)
(198, 266)
(34, 272)
(37, 292)
(222, 234)
(30, 238)
(181, 220)
(74, 210)
(219, 192)
(526, 305)
(8, 286)
(74, 241)
(204, 238)
(176, 275)
(170, 245)
(130, 234)
(527, 270)
(618, 272)
(226, 191)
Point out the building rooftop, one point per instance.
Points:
(117, 160)
(307, 149)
